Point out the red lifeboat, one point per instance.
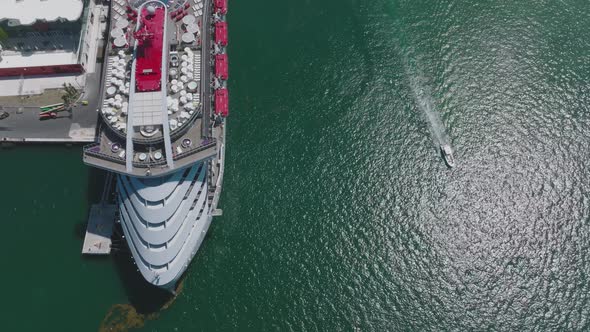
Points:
(221, 66)
(221, 6)
(221, 33)
(222, 102)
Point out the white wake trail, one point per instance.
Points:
(424, 100)
(425, 103)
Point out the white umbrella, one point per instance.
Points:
(184, 115)
(183, 100)
(192, 86)
(184, 79)
(188, 37)
(117, 33)
(120, 42)
(122, 23)
(111, 91)
(188, 19)
(192, 28)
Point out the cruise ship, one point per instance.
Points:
(163, 115)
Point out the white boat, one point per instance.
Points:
(447, 154)
(165, 142)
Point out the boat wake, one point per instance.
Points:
(425, 103)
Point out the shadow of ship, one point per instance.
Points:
(144, 297)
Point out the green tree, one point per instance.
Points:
(70, 97)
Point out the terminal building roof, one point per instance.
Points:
(26, 12)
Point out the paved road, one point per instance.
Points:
(79, 126)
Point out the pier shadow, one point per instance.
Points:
(80, 230)
(96, 182)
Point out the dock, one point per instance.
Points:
(100, 229)
(21, 96)
(23, 125)
(100, 224)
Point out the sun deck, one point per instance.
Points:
(148, 53)
(176, 116)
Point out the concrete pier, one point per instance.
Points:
(100, 229)
(100, 223)
(79, 126)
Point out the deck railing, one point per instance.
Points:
(211, 142)
(94, 150)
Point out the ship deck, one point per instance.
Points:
(188, 99)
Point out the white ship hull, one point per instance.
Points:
(164, 127)
(165, 221)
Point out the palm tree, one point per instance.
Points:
(70, 97)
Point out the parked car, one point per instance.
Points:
(3, 115)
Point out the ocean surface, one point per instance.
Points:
(339, 213)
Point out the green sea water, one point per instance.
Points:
(339, 213)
